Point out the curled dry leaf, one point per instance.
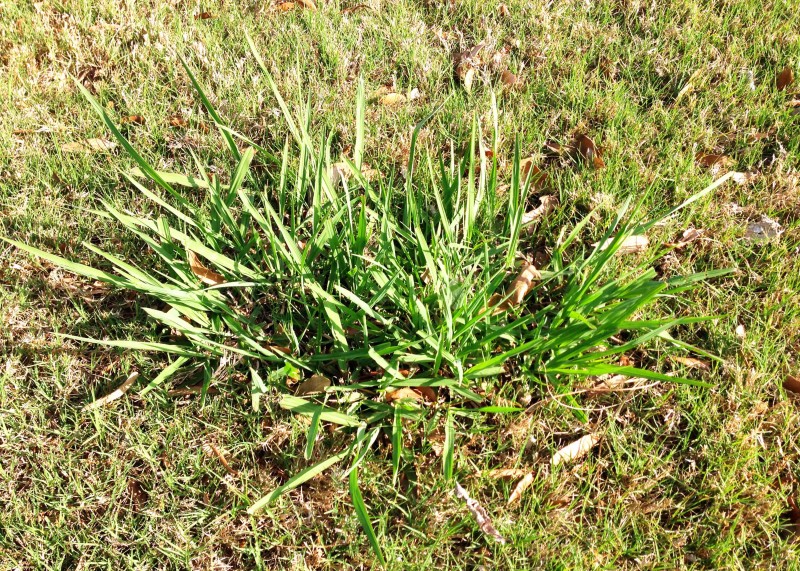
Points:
(689, 235)
(575, 450)
(414, 393)
(339, 172)
(785, 78)
(714, 163)
(527, 168)
(203, 16)
(312, 385)
(206, 275)
(88, 146)
(548, 204)
(792, 384)
(502, 473)
(740, 331)
(692, 363)
(589, 151)
(520, 488)
(391, 99)
(510, 80)
(114, 395)
(480, 514)
(522, 283)
(176, 121)
(504, 11)
(744, 177)
(132, 120)
(630, 245)
(763, 229)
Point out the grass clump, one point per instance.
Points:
(306, 268)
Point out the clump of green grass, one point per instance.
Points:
(305, 267)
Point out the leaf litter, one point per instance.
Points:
(480, 514)
(208, 276)
(114, 395)
(575, 450)
(89, 146)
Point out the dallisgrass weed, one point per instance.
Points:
(309, 268)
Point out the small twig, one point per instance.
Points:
(210, 448)
(121, 390)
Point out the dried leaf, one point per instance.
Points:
(88, 146)
(114, 395)
(308, 4)
(314, 384)
(469, 77)
(744, 177)
(193, 390)
(520, 488)
(548, 204)
(763, 229)
(480, 514)
(609, 384)
(522, 283)
(554, 149)
(793, 103)
(504, 11)
(286, 6)
(203, 16)
(713, 162)
(339, 172)
(414, 94)
(176, 121)
(575, 450)
(132, 120)
(630, 245)
(589, 151)
(413, 393)
(689, 235)
(501, 473)
(692, 363)
(785, 78)
(391, 99)
(792, 384)
(740, 331)
(528, 169)
(206, 275)
(510, 80)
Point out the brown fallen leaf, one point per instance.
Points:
(504, 11)
(713, 162)
(763, 229)
(538, 177)
(203, 16)
(609, 384)
(286, 6)
(522, 283)
(520, 488)
(575, 450)
(132, 120)
(501, 473)
(554, 149)
(794, 512)
(785, 78)
(589, 151)
(206, 275)
(176, 121)
(792, 384)
(308, 4)
(193, 390)
(413, 393)
(88, 146)
(689, 235)
(548, 204)
(391, 99)
(480, 514)
(114, 395)
(630, 245)
(692, 363)
(510, 80)
(314, 384)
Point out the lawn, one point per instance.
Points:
(674, 95)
